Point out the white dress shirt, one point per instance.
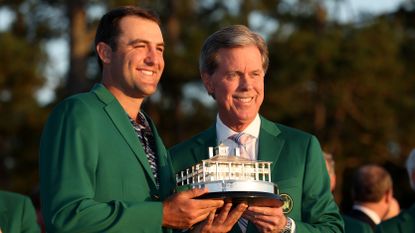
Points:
(372, 214)
(224, 132)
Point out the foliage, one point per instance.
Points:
(21, 117)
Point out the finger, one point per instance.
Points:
(269, 211)
(210, 218)
(208, 204)
(199, 218)
(236, 213)
(223, 213)
(192, 193)
(266, 227)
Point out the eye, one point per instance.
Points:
(231, 75)
(139, 45)
(256, 74)
(160, 49)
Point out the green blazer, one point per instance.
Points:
(94, 174)
(352, 225)
(17, 214)
(403, 223)
(298, 169)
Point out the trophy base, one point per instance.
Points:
(252, 198)
(255, 193)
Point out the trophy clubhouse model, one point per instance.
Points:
(232, 178)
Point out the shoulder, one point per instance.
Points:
(289, 134)
(279, 128)
(196, 141)
(10, 196)
(78, 101)
(11, 200)
(81, 106)
(354, 225)
(405, 220)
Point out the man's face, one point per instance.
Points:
(137, 63)
(237, 85)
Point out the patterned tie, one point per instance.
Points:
(146, 138)
(243, 139)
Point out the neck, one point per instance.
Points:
(237, 126)
(379, 208)
(130, 105)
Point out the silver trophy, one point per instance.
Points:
(231, 178)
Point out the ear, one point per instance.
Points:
(207, 82)
(104, 52)
(389, 195)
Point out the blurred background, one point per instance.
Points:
(340, 69)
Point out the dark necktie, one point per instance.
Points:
(146, 138)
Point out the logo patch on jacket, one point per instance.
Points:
(288, 203)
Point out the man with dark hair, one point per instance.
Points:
(405, 221)
(372, 193)
(103, 166)
(232, 64)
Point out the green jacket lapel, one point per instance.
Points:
(119, 118)
(206, 140)
(270, 145)
(166, 178)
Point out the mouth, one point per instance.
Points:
(244, 99)
(147, 72)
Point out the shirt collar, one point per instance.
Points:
(372, 214)
(223, 131)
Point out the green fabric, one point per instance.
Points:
(17, 214)
(352, 225)
(403, 223)
(298, 169)
(95, 176)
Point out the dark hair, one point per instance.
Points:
(370, 183)
(230, 37)
(108, 27)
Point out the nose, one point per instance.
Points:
(245, 82)
(152, 57)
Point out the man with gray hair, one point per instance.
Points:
(232, 64)
(405, 221)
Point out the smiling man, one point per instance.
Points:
(103, 166)
(232, 64)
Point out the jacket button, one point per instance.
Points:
(155, 197)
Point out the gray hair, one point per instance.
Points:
(230, 37)
(410, 167)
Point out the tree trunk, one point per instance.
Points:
(80, 39)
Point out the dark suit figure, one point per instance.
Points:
(351, 225)
(372, 193)
(405, 221)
